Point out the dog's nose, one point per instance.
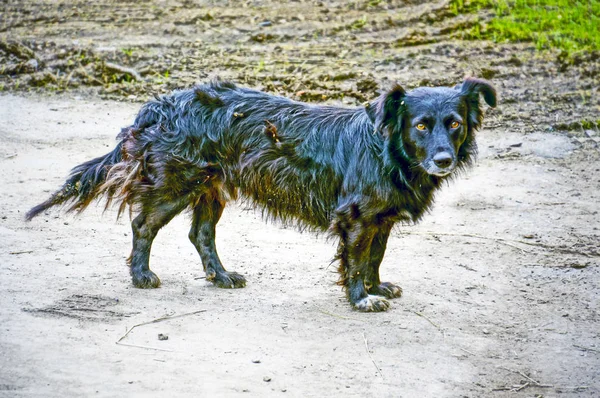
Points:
(442, 160)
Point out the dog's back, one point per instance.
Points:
(292, 159)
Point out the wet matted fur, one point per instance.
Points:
(353, 172)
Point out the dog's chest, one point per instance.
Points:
(411, 204)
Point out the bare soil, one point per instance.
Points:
(501, 280)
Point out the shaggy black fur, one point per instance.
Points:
(352, 172)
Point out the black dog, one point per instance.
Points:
(352, 172)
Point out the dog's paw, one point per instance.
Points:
(228, 280)
(372, 304)
(145, 279)
(387, 289)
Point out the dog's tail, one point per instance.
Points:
(83, 184)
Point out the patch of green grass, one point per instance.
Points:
(590, 124)
(127, 51)
(566, 25)
(358, 24)
(260, 66)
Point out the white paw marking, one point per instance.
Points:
(372, 303)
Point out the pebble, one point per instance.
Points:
(32, 65)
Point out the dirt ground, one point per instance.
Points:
(501, 280)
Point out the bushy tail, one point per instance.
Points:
(83, 184)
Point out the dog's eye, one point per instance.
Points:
(421, 127)
(454, 124)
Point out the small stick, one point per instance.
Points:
(467, 267)
(508, 242)
(22, 252)
(145, 347)
(428, 320)
(11, 156)
(467, 351)
(541, 326)
(585, 348)
(537, 383)
(90, 77)
(369, 354)
(519, 388)
(513, 246)
(164, 318)
(338, 316)
(67, 79)
(123, 69)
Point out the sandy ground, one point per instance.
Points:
(501, 280)
(501, 284)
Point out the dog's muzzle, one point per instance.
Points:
(441, 165)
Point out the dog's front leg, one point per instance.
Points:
(358, 274)
(373, 283)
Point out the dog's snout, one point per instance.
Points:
(442, 160)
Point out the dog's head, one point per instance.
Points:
(432, 128)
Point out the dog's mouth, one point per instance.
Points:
(432, 169)
(443, 173)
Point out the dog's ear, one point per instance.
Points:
(386, 111)
(470, 89)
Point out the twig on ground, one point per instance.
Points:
(519, 388)
(467, 267)
(369, 354)
(537, 383)
(544, 325)
(123, 69)
(338, 316)
(65, 81)
(508, 242)
(585, 348)
(144, 346)
(85, 73)
(22, 252)
(11, 156)
(164, 318)
(467, 351)
(428, 320)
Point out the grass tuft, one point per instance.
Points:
(566, 25)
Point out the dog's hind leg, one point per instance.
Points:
(202, 234)
(145, 227)
(372, 282)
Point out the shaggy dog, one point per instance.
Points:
(353, 172)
